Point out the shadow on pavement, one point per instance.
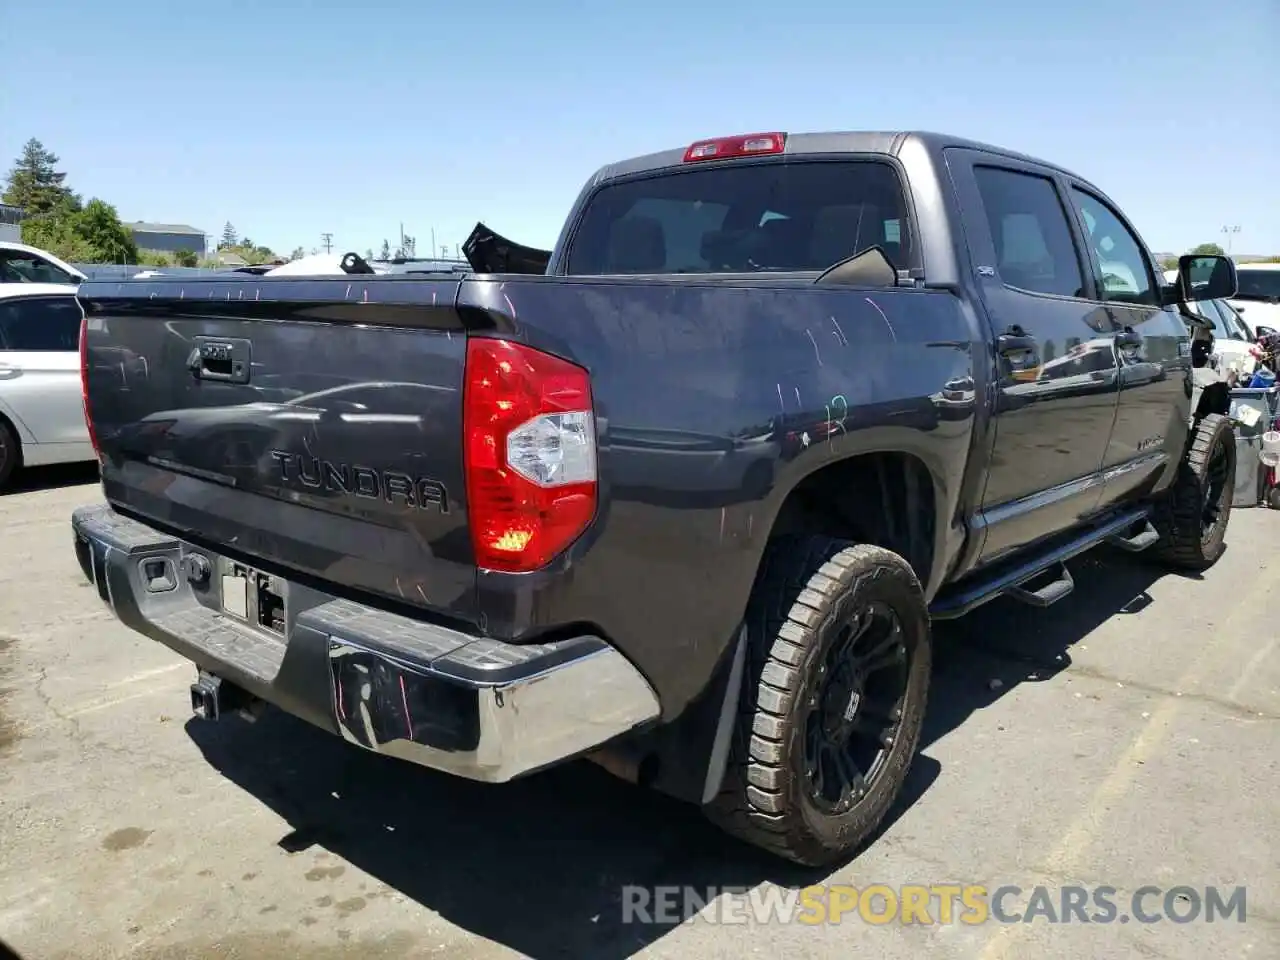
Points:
(539, 865)
(30, 479)
(981, 657)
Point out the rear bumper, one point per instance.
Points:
(443, 699)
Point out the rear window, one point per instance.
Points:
(772, 216)
(1257, 284)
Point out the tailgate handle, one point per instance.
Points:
(223, 360)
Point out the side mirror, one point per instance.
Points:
(1206, 278)
(1265, 332)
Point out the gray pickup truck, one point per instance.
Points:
(681, 495)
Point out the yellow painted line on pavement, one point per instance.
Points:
(1067, 856)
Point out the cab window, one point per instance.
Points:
(1119, 263)
(1030, 232)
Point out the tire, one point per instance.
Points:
(10, 453)
(1192, 516)
(810, 593)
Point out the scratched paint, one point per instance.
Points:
(883, 317)
(837, 413)
(816, 352)
(838, 332)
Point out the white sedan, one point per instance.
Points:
(20, 263)
(41, 409)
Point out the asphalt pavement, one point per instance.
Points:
(1129, 738)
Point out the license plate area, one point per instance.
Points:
(255, 598)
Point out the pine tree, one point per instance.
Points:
(35, 183)
(228, 235)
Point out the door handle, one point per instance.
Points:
(1128, 338)
(1008, 343)
(8, 372)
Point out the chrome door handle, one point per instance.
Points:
(9, 373)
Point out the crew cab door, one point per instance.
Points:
(1152, 342)
(1057, 377)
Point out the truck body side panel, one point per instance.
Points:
(714, 400)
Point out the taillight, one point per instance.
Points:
(84, 383)
(750, 145)
(529, 451)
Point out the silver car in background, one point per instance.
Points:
(41, 409)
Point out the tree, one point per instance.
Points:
(228, 236)
(36, 185)
(1207, 250)
(92, 234)
(385, 253)
(185, 258)
(407, 246)
(109, 239)
(298, 253)
(368, 254)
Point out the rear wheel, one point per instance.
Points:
(10, 453)
(1193, 514)
(840, 657)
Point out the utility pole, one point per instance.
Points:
(1230, 232)
(433, 241)
(328, 242)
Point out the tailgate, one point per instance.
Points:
(310, 424)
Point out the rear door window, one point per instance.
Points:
(1030, 232)
(772, 216)
(41, 325)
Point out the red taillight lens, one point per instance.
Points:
(749, 145)
(84, 382)
(530, 453)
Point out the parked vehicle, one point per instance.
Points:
(1258, 297)
(685, 497)
(20, 263)
(41, 407)
(1233, 341)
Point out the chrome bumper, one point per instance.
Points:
(466, 705)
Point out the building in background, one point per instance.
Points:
(167, 237)
(10, 223)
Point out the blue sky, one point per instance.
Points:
(290, 119)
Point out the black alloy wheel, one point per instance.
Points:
(854, 717)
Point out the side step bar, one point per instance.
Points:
(1136, 543)
(1049, 594)
(1008, 578)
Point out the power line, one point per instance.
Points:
(328, 242)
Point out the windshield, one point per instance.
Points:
(1257, 284)
(773, 216)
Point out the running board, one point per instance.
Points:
(1146, 537)
(1047, 595)
(1009, 577)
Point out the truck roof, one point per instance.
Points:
(886, 142)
